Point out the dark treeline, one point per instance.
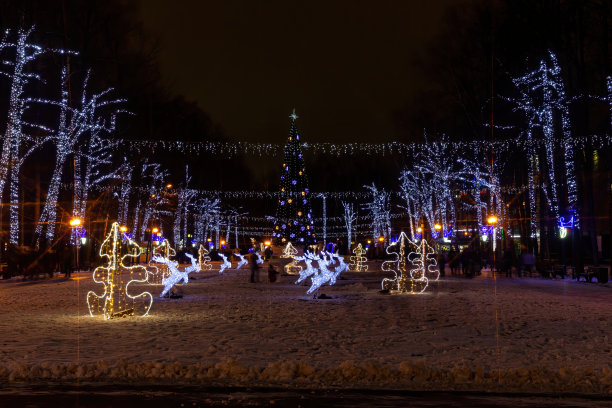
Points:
(465, 72)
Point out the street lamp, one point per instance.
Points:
(75, 223)
(492, 220)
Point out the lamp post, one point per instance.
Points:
(75, 223)
(150, 245)
(492, 220)
(437, 229)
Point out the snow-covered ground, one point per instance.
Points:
(484, 334)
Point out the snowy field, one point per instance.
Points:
(483, 334)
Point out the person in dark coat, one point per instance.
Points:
(441, 262)
(254, 266)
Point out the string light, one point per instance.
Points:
(324, 197)
(116, 300)
(74, 123)
(349, 219)
(540, 111)
(18, 144)
(239, 148)
(380, 213)
(185, 199)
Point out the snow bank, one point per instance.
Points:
(348, 374)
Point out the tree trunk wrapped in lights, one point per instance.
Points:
(349, 219)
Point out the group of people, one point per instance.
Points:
(469, 262)
(32, 262)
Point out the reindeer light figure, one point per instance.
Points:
(175, 274)
(242, 261)
(225, 265)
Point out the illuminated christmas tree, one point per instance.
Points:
(294, 215)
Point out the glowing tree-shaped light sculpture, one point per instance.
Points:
(423, 258)
(203, 259)
(225, 265)
(175, 274)
(116, 301)
(242, 261)
(289, 251)
(406, 280)
(294, 220)
(158, 272)
(292, 268)
(357, 261)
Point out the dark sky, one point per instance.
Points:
(345, 65)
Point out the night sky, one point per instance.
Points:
(346, 66)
